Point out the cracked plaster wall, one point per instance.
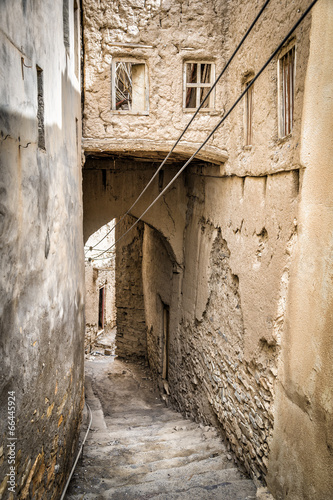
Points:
(42, 270)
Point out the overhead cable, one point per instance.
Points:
(189, 123)
(98, 257)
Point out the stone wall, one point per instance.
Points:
(131, 325)
(42, 271)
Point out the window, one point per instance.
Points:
(198, 79)
(65, 19)
(101, 298)
(76, 39)
(40, 108)
(129, 87)
(286, 92)
(248, 113)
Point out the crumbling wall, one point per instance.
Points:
(131, 338)
(234, 292)
(42, 271)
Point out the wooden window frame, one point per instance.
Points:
(286, 84)
(198, 85)
(114, 109)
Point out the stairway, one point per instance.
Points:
(139, 449)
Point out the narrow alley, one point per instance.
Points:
(166, 179)
(139, 449)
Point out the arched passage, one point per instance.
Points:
(149, 256)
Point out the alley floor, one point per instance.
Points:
(138, 448)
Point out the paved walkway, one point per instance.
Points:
(139, 449)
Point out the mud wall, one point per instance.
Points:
(302, 459)
(42, 271)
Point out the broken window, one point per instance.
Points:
(248, 113)
(198, 79)
(129, 87)
(287, 91)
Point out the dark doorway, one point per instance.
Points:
(166, 321)
(101, 308)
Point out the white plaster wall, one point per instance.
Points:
(42, 280)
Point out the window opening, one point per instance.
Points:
(130, 88)
(287, 91)
(76, 39)
(198, 79)
(101, 300)
(166, 322)
(65, 18)
(248, 114)
(40, 108)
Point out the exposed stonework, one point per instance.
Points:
(223, 351)
(131, 325)
(240, 392)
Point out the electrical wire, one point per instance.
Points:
(77, 456)
(98, 257)
(190, 122)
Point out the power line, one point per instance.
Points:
(217, 126)
(190, 122)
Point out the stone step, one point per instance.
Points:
(122, 425)
(133, 454)
(143, 441)
(112, 463)
(138, 449)
(130, 474)
(229, 480)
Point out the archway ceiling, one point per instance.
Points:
(150, 151)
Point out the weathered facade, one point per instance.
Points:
(42, 261)
(235, 257)
(225, 286)
(100, 299)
